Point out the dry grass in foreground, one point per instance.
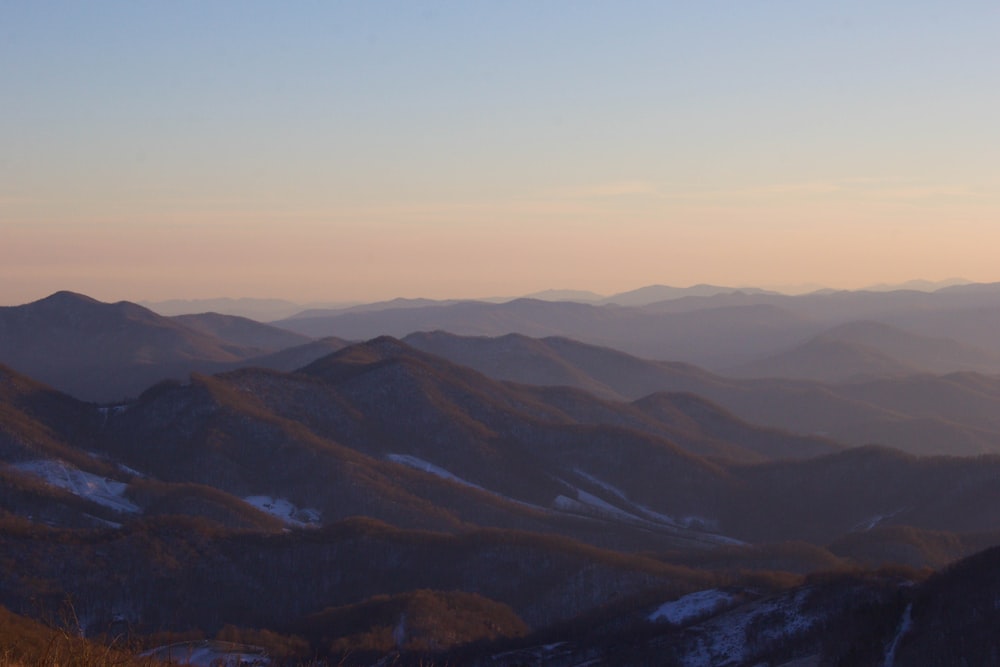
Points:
(26, 643)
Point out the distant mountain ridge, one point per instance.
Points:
(866, 349)
(714, 337)
(242, 331)
(101, 351)
(924, 414)
(262, 310)
(649, 294)
(720, 331)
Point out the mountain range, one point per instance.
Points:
(948, 330)
(273, 309)
(501, 499)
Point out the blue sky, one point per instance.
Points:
(334, 150)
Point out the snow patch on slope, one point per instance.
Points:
(726, 639)
(691, 606)
(641, 513)
(285, 510)
(872, 522)
(437, 471)
(130, 471)
(97, 489)
(427, 466)
(121, 466)
(603, 506)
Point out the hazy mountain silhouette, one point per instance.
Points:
(262, 310)
(926, 414)
(297, 356)
(826, 359)
(582, 296)
(98, 350)
(638, 297)
(721, 329)
(392, 304)
(641, 296)
(920, 285)
(714, 337)
(104, 352)
(242, 331)
(657, 293)
(864, 350)
(966, 314)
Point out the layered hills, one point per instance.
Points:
(110, 351)
(862, 350)
(944, 331)
(499, 500)
(383, 430)
(922, 413)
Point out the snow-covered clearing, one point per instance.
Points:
(603, 506)
(285, 510)
(646, 512)
(584, 503)
(635, 512)
(728, 638)
(587, 503)
(427, 466)
(691, 606)
(437, 471)
(101, 490)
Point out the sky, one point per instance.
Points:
(357, 151)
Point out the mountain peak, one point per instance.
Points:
(370, 352)
(64, 298)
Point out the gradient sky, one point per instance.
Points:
(367, 150)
